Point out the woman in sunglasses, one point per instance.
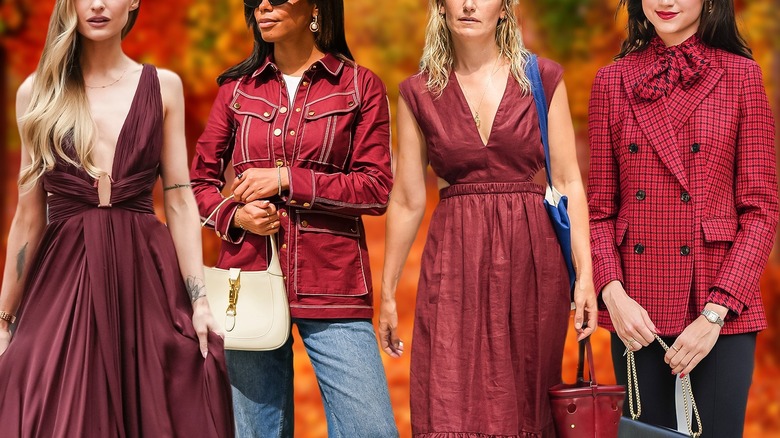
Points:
(307, 131)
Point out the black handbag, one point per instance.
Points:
(554, 202)
(633, 428)
(636, 429)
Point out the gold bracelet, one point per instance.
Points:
(237, 220)
(279, 181)
(5, 316)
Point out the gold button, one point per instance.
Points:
(292, 132)
(293, 201)
(284, 246)
(314, 67)
(219, 234)
(284, 214)
(297, 110)
(285, 278)
(279, 163)
(237, 105)
(306, 204)
(266, 114)
(311, 113)
(351, 104)
(277, 132)
(304, 224)
(304, 83)
(283, 109)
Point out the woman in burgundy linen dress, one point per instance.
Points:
(107, 342)
(493, 298)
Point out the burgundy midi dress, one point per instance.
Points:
(493, 301)
(105, 345)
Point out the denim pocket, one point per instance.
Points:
(253, 134)
(326, 137)
(336, 258)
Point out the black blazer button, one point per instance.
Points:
(639, 248)
(640, 195)
(633, 148)
(685, 250)
(695, 147)
(685, 197)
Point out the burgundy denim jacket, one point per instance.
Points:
(335, 142)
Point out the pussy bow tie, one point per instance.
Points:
(682, 64)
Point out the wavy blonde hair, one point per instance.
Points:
(58, 108)
(438, 53)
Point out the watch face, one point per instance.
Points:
(711, 317)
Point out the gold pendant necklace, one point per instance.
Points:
(477, 120)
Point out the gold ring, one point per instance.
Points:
(631, 341)
(676, 349)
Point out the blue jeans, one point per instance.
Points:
(352, 381)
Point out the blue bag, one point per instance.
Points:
(554, 202)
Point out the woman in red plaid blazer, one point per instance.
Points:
(683, 205)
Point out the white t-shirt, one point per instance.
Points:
(292, 85)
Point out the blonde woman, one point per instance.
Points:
(113, 336)
(493, 298)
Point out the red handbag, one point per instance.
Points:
(586, 409)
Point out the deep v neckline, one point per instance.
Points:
(120, 137)
(465, 105)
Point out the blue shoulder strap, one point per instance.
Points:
(532, 71)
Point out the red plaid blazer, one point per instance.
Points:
(683, 191)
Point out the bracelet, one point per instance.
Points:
(5, 316)
(236, 219)
(279, 181)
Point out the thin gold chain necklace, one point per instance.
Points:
(107, 85)
(477, 120)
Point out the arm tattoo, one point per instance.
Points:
(195, 288)
(176, 186)
(20, 258)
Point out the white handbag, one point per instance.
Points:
(254, 303)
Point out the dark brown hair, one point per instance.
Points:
(718, 28)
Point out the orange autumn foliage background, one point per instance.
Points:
(198, 39)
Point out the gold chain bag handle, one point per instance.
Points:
(633, 388)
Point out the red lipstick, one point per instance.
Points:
(665, 15)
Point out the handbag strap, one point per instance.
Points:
(586, 351)
(274, 265)
(687, 393)
(537, 89)
(224, 201)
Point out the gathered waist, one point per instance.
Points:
(490, 189)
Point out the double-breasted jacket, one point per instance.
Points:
(683, 190)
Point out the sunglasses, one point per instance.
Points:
(254, 4)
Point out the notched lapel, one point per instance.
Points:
(653, 119)
(686, 101)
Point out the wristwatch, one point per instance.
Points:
(712, 317)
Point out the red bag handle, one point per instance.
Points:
(585, 350)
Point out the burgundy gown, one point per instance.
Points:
(105, 345)
(493, 300)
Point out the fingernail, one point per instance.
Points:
(204, 353)
(682, 375)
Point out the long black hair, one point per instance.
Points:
(717, 28)
(329, 39)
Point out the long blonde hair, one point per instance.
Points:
(58, 108)
(438, 54)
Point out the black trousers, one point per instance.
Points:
(720, 383)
